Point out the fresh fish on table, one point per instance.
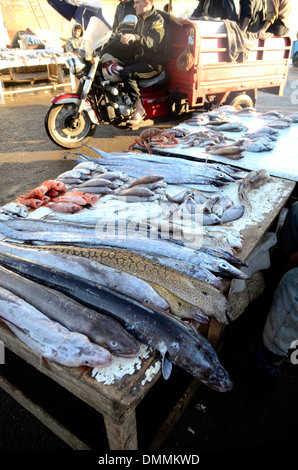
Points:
(92, 270)
(183, 286)
(100, 329)
(16, 208)
(134, 243)
(175, 342)
(49, 339)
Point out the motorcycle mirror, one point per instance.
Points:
(130, 20)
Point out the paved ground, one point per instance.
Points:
(254, 416)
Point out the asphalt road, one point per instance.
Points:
(255, 416)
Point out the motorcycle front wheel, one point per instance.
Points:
(64, 131)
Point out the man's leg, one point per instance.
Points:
(281, 327)
(130, 76)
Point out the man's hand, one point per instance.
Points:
(127, 37)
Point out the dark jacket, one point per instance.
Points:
(150, 39)
(122, 10)
(224, 9)
(255, 10)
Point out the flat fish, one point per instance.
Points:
(49, 339)
(100, 329)
(175, 342)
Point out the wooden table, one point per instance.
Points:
(117, 402)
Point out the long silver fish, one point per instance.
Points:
(142, 244)
(49, 339)
(100, 329)
(114, 279)
(176, 342)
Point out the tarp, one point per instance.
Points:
(79, 10)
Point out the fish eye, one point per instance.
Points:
(212, 378)
(113, 344)
(146, 301)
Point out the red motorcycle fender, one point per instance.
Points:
(73, 98)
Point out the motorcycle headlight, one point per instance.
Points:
(76, 65)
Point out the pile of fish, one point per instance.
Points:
(226, 118)
(25, 308)
(110, 290)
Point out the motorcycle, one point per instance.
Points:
(72, 118)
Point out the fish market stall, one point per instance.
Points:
(252, 140)
(123, 240)
(31, 65)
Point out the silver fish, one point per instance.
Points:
(119, 281)
(49, 339)
(176, 343)
(134, 243)
(100, 329)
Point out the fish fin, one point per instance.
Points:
(166, 366)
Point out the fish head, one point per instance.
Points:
(94, 356)
(201, 361)
(117, 340)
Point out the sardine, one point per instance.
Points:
(49, 339)
(92, 270)
(175, 342)
(100, 329)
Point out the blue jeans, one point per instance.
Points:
(281, 327)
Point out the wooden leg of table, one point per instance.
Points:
(122, 436)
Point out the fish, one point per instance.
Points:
(66, 207)
(100, 329)
(175, 342)
(258, 146)
(136, 191)
(49, 339)
(16, 208)
(90, 269)
(279, 123)
(133, 243)
(254, 179)
(179, 307)
(232, 213)
(145, 179)
(226, 150)
(194, 291)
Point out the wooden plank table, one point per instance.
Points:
(118, 399)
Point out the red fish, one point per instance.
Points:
(64, 207)
(53, 184)
(30, 202)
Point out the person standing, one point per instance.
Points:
(125, 7)
(281, 326)
(73, 44)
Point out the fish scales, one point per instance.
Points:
(49, 339)
(100, 329)
(117, 280)
(175, 342)
(193, 291)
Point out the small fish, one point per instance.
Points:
(16, 208)
(67, 207)
(232, 213)
(145, 179)
(254, 179)
(135, 191)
